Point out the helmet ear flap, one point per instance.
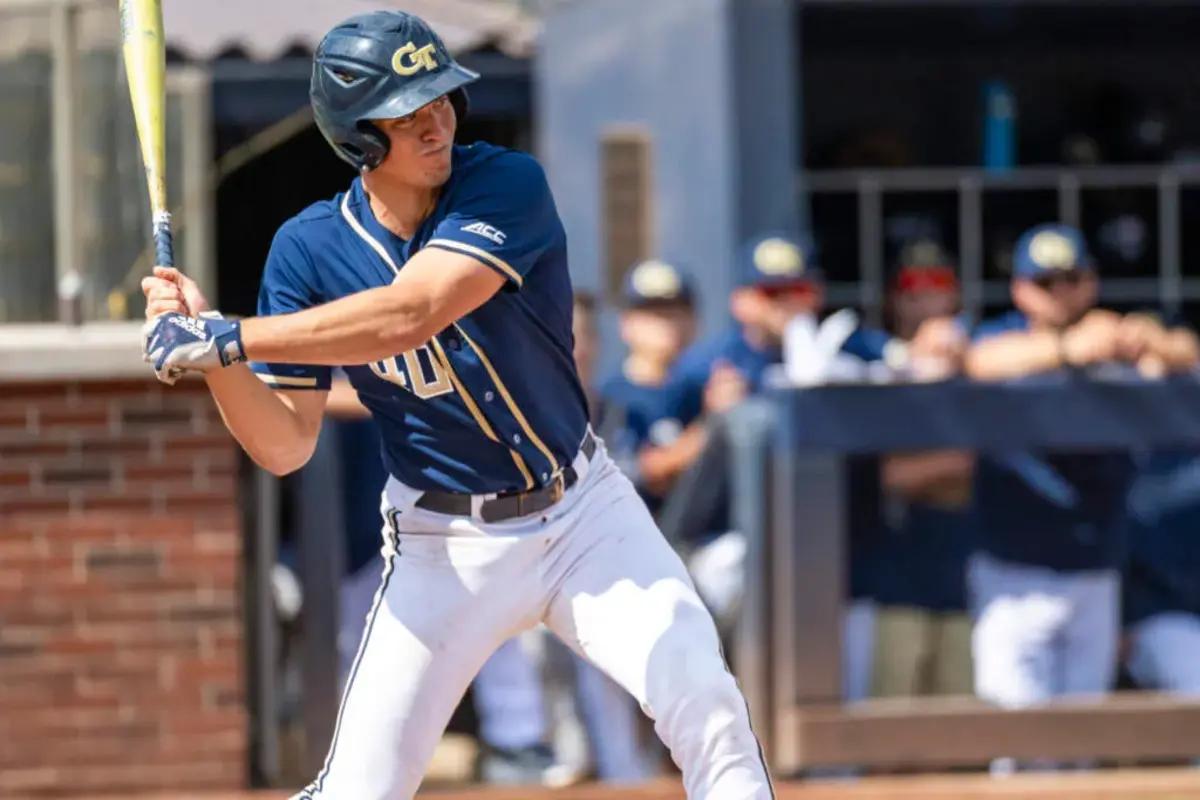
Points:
(375, 146)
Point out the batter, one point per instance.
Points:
(439, 281)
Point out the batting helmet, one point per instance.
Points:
(380, 65)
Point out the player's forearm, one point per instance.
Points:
(911, 474)
(268, 430)
(660, 467)
(358, 329)
(1014, 355)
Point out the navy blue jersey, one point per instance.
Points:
(1064, 511)
(634, 416)
(926, 558)
(1163, 572)
(490, 404)
(639, 406)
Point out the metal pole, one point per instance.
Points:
(68, 261)
(970, 245)
(1170, 271)
(264, 642)
(193, 86)
(870, 250)
(1068, 199)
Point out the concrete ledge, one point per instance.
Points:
(96, 350)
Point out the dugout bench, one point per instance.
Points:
(786, 452)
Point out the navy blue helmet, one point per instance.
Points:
(380, 65)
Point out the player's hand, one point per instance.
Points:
(170, 290)
(174, 343)
(942, 339)
(1093, 339)
(726, 388)
(1140, 335)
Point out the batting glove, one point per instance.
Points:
(175, 343)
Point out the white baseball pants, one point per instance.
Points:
(597, 571)
(1164, 652)
(1041, 634)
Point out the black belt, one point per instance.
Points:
(511, 504)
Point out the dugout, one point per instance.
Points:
(868, 123)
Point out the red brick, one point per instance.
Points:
(106, 390)
(141, 470)
(177, 444)
(125, 445)
(15, 478)
(89, 417)
(21, 449)
(36, 391)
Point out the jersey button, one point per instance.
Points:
(489, 396)
(516, 438)
(454, 343)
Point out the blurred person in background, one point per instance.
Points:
(778, 285)
(1161, 597)
(658, 320)
(923, 632)
(1044, 579)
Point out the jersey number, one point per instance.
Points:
(417, 370)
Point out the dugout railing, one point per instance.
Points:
(787, 455)
(870, 190)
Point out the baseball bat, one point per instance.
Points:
(145, 55)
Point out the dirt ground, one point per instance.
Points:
(1172, 784)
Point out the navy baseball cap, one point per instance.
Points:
(1051, 248)
(654, 282)
(776, 259)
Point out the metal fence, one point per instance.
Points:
(74, 219)
(1167, 287)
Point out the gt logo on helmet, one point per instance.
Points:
(418, 59)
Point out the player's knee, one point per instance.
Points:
(694, 692)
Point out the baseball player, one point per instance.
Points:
(1044, 582)
(658, 320)
(778, 283)
(922, 629)
(439, 280)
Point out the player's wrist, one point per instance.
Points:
(227, 336)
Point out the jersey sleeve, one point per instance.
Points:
(504, 217)
(289, 285)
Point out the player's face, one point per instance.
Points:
(421, 143)
(770, 308)
(1058, 299)
(658, 332)
(911, 308)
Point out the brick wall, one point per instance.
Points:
(121, 661)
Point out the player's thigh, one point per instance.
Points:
(1019, 615)
(1165, 652)
(624, 599)
(901, 636)
(1089, 642)
(427, 634)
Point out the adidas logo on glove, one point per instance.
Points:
(192, 326)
